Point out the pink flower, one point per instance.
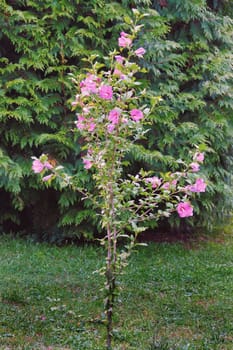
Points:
(74, 103)
(199, 157)
(91, 126)
(105, 92)
(47, 165)
(89, 85)
(184, 209)
(124, 40)
(155, 181)
(47, 178)
(88, 88)
(195, 167)
(86, 110)
(114, 115)
(140, 52)
(136, 115)
(119, 59)
(118, 73)
(83, 123)
(87, 163)
(166, 185)
(43, 318)
(199, 186)
(110, 128)
(80, 122)
(37, 166)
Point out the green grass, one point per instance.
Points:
(172, 298)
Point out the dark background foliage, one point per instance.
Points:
(189, 62)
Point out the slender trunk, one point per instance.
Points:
(109, 308)
(111, 256)
(109, 286)
(110, 268)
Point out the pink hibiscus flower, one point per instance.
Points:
(105, 92)
(136, 115)
(184, 209)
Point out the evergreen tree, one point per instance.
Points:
(191, 68)
(41, 42)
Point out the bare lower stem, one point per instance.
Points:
(110, 284)
(109, 305)
(109, 311)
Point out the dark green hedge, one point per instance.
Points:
(189, 62)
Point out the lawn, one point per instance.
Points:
(172, 297)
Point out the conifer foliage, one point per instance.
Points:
(191, 68)
(41, 42)
(189, 63)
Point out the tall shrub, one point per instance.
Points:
(112, 108)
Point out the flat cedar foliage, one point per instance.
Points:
(189, 63)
